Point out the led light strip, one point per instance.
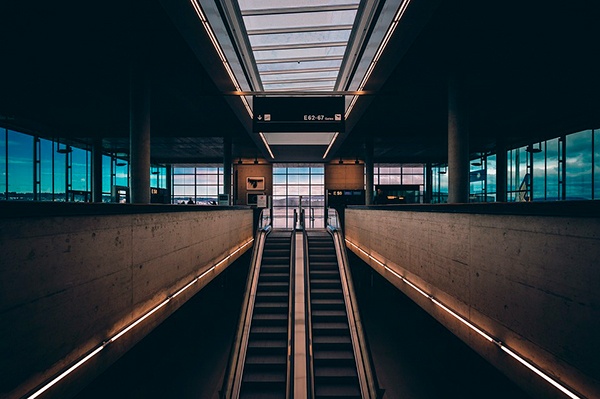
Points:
(378, 53)
(80, 362)
(479, 331)
(330, 144)
(220, 52)
(262, 136)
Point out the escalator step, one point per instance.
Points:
(338, 391)
(266, 317)
(266, 359)
(331, 340)
(274, 375)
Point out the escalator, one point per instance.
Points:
(334, 365)
(266, 367)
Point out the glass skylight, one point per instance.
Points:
(298, 44)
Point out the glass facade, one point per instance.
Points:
(563, 168)
(400, 178)
(292, 182)
(200, 184)
(37, 169)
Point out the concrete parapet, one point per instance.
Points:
(70, 282)
(529, 279)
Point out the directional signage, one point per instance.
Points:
(298, 114)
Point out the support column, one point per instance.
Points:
(428, 183)
(139, 133)
(227, 167)
(97, 170)
(458, 142)
(169, 181)
(501, 171)
(369, 172)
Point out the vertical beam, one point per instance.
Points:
(428, 183)
(169, 181)
(458, 141)
(139, 134)
(501, 171)
(369, 171)
(97, 170)
(227, 167)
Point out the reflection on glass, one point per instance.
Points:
(45, 170)
(106, 175)
(552, 168)
(579, 166)
(491, 177)
(60, 165)
(79, 169)
(20, 166)
(597, 164)
(3, 133)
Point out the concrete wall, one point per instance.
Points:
(531, 281)
(70, 282)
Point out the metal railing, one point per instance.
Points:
(235, 365)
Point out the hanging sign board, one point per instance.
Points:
(298, 114)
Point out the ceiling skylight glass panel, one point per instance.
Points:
(303, 37)
(300, 86)
(302, 53)
(250, 5)
(292, 66)
(309, 21)
(299, 75)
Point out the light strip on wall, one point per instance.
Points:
(80, 362)
(479, 331)
(330, 144)
(262, 136)
(378, 53)
(217, 46)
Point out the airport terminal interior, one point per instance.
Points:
(372, 199)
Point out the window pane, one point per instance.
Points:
(491, 176)
(20, 165)
(121, 173)
(552, 176)
(597, 164)
(46, 170)
(279, 179)
(79, 169)
(579, 165)
(106, 178)
(539, 174)
(2, 164)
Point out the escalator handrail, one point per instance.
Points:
(291, 309)
(364, 362)
(235, 365)
(308, 321)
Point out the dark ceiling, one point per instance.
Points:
(529, 71)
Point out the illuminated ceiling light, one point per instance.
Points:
(83, 360)
(379, 51)
(220, 53)
(473, 327)
(262, 136)
(330, 144)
